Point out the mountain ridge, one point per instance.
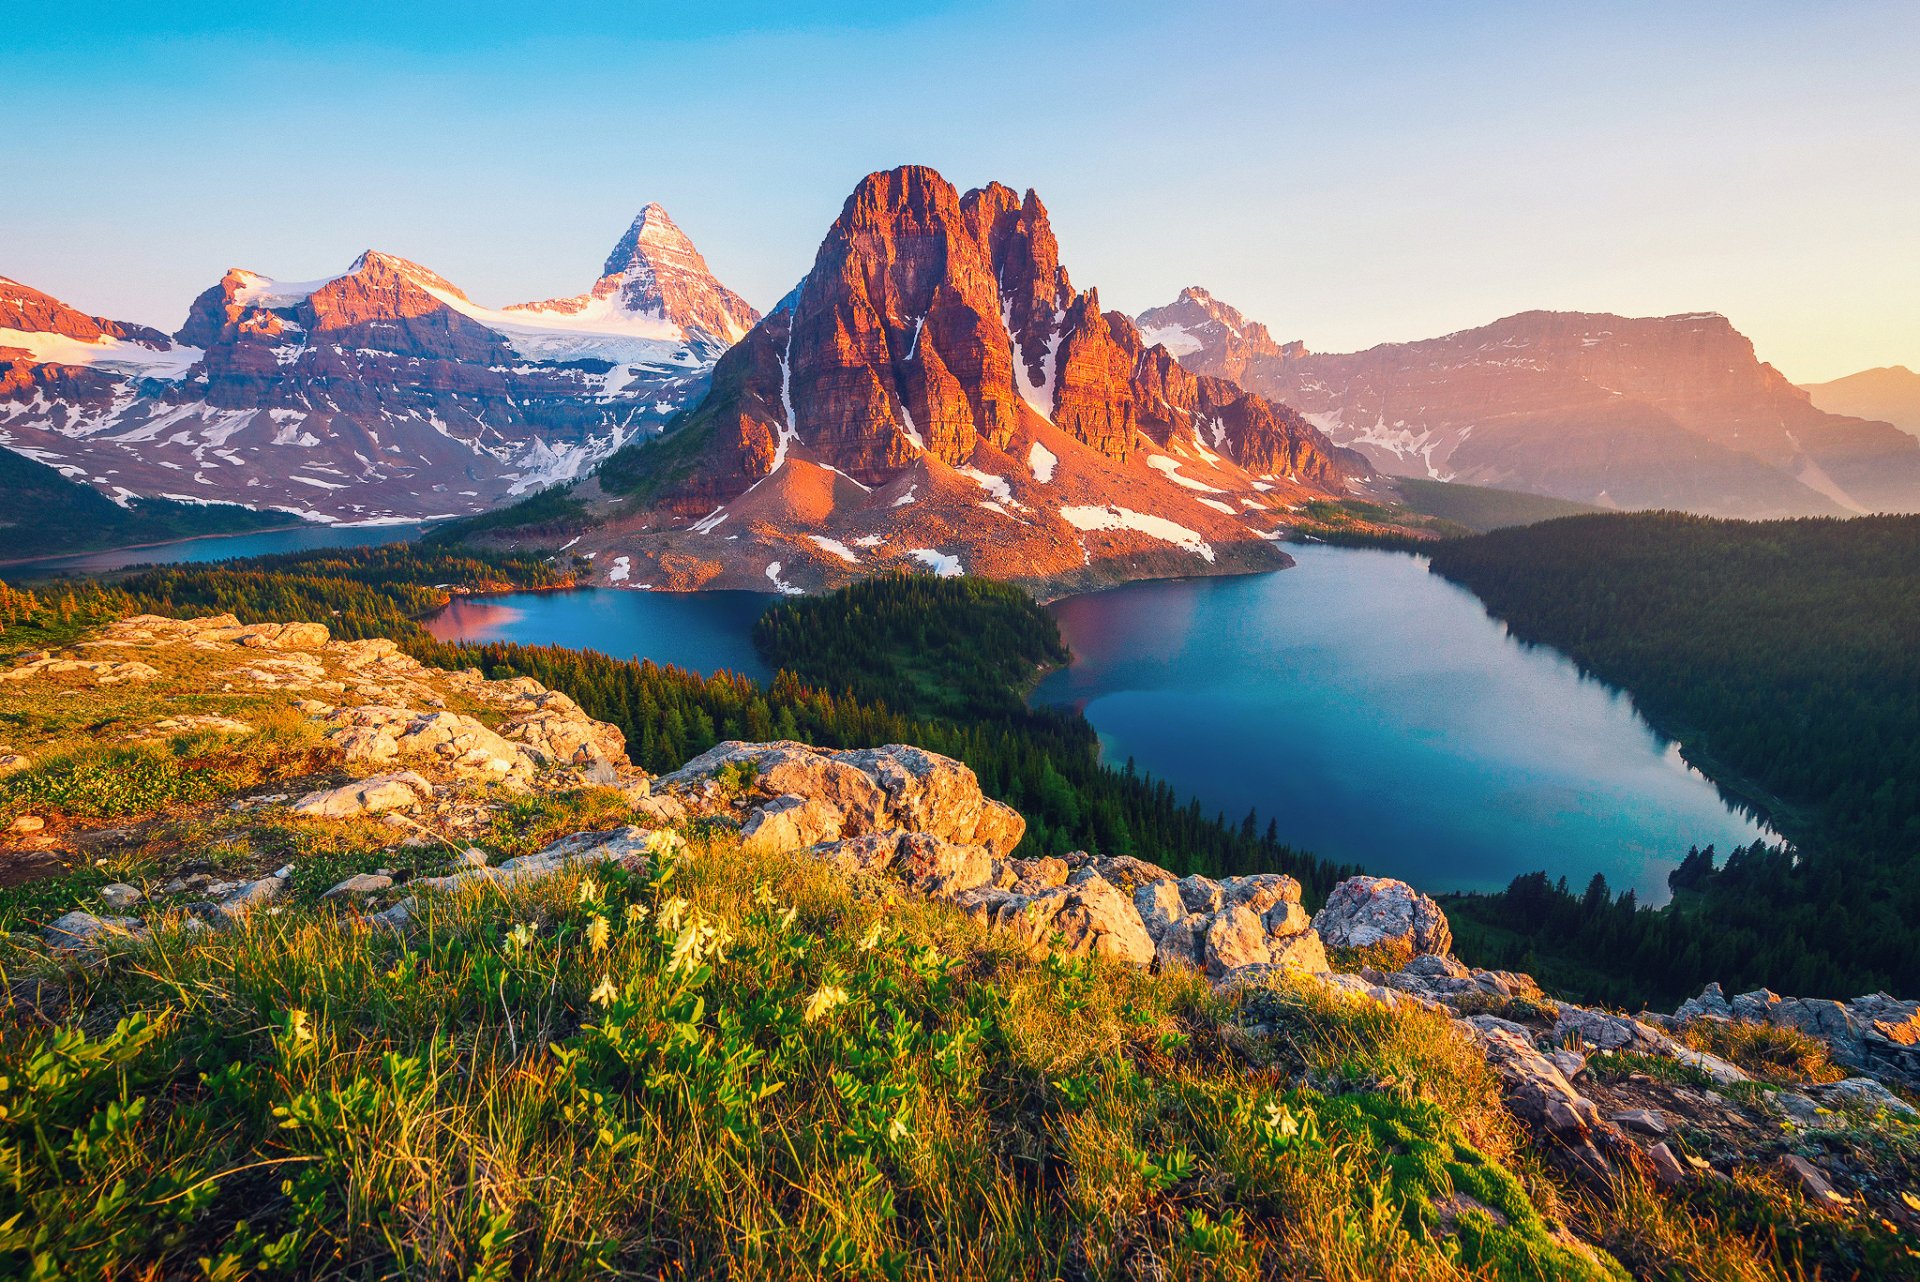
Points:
(381, 392)
(937, 363)
(1674, 411)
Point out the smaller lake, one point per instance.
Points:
(1380, 716)
(705, 632)
(217, 547)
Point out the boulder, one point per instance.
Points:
(82, 931)
(1260, 891)
(790, 822)
(118, 896)
(360, 884)
(365, 797)
(1160, 906)
(1090, 918)
(1365, 912)
(926, 792)
(249, 898)
(768, 770)
(1235, 937)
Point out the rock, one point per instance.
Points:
(771, 770)
(472, 857)
(1648, 1120)
(942, 867)
(1602, 1031)
(1667, 1169)
(1235, 937)
(13, 763)
(1366, 912)
(1711, 1002)
(118, 896)
(1160, 906)
(1302, 952)
(361, 883)
(251, 897)
(1810, 1180)
(662, 810)
(1127, 874)
(1031, 876)
(82, 931)
(1200, 894)
(1571, 1063)
(1537, 1091)
(1260, 891)
(790, 822)
(285, 636)
(1090, 918)
(36, 997)
(1862, 1092)
(27, 823)
(365, 797)
(925, 792)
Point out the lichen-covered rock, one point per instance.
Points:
(929, 793)
(360, 884)
(82, 931)
(1366, 912)
(790, 822)
(365, 797)
(1089, 918)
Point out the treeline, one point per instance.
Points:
(1785, 658)
(961, 651)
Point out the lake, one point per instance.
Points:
(1382, 718)
(216, 547)
(704, 632)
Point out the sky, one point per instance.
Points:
(1347, 172)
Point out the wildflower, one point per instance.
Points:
(664, 841)
(824, 1001)
(605, 993)
(589, 890)
(636, 913)
(598, 931)
(520, 936)
(672, 913)
(299, 1026)
(873, 937)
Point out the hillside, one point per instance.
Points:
(343, 930)
(43, 513)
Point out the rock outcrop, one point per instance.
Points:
(1373, 912)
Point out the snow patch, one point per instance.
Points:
(1042, 461)
(1088, 517)
(780, 584)
(836, 547)
(109, 355)
(1171, 470)
(619, 570)
(942, 564)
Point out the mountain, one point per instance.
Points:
(43, 513)
(1890, 393)
(1672, 411)
(936, 393)
(383, 392)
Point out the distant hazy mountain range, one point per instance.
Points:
(1671, 411)
(1890, 393)
(937, 394)
(382, 392)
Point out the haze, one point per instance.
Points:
(1348, 173)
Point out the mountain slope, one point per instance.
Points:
(937, 393)
(42, 513)
(383, 392)
(1671, 411)
(1890, 394)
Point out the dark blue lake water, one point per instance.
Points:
(219, 547)
(1384, 719)
(703, 632)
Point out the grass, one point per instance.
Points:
(1773, 1054)
(738, 1068)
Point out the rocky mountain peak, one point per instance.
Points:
(655, 270)
(30, 311)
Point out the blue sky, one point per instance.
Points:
(1349, 173)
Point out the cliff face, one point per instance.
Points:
(937, 389)
(1673, 411)
(381, 392)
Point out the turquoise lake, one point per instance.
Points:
(1371, 708)
(1382, 718)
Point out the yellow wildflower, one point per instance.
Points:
(605, 993)
(598, 932)
(825, 1000)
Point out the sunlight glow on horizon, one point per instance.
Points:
(1347, 175)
